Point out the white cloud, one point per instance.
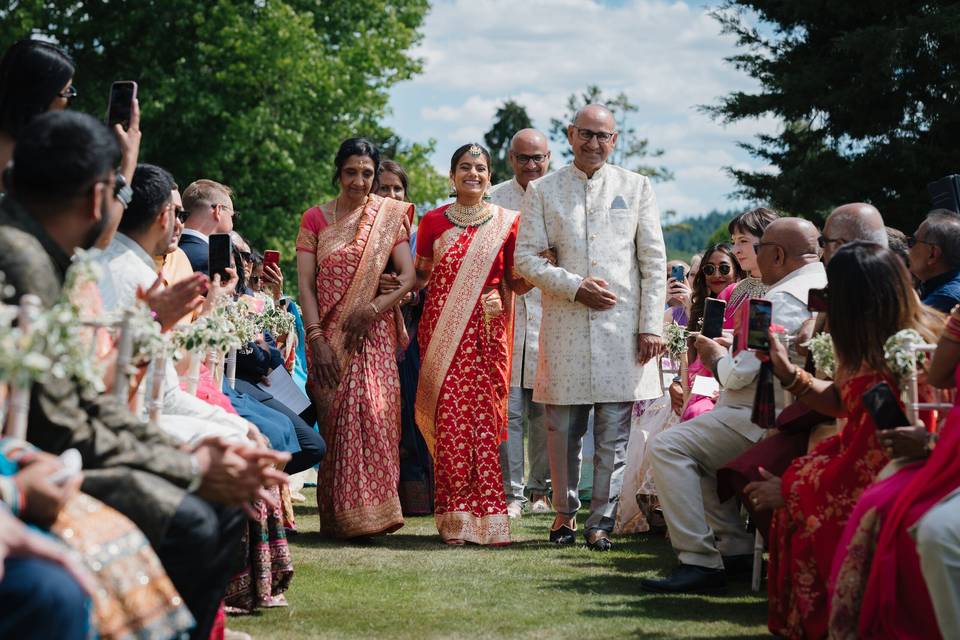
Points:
(668, 57)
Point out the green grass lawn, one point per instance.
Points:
(410, 585)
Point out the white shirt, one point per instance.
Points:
(527, 310)
(608, 227)
(195, 234)
(127, 266)
(737, 374)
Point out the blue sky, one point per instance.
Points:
(666, 56)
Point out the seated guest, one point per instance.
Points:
(870, 300)
(877, 558)
(43, 590)
(59, 198)
(209, 209)
(709, 536)
(145, 230)
(935, 259)
(719, 269)
(800, 428)
(122, 608)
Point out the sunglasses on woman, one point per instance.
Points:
(710, 269)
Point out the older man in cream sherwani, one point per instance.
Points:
(530, 158)
(602, 314)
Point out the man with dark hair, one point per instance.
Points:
(935, 259)
(59, 197)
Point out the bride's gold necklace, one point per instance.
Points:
(472, 216)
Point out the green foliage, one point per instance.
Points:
(694, 235)
(630, 149)
(255, 94)
(868, 96)
(510, 118)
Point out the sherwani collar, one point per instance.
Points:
(599, 174)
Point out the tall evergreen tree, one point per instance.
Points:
(868, 94)
(510, 118)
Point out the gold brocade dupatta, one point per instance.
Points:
(455, 316)
(389, 217)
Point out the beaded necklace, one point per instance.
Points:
(472, 216)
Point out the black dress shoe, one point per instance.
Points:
(563, 536)
(689, 578)
(738, 566)
(599, 541)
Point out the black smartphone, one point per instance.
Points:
(220, 249)
(676, 272)
(758, 330)
(882, 405)
(713, 318)
(817, 300)
(120, 107)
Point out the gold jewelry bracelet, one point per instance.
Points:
(376, 311)
(793, 380)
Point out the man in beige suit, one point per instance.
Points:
(709, 536)
(530, 158)
(602, 314)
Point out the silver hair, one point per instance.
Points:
(943, 230)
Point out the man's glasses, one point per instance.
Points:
(823, 241)
(524, 159)
(233, 212)
(757, 246)
(586, 135)
(710, 269)
(181, 213)
(913, 241)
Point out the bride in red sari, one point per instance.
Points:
(353, 335)
(465, 255)
(870, 299)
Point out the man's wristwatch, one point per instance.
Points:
(122, 191)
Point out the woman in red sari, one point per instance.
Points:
(870, 299)
(353, 336)
(465, 254)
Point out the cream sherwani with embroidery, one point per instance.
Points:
(606, 227)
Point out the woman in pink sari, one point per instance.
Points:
(353, 335)
(465, 253)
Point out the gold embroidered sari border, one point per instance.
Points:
(366, 520)
(455, 316)
(460, 525)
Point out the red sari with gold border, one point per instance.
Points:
(360, 419)
(466, 339)
(820, 491)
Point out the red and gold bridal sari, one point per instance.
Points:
(465, 344)
(360, 419)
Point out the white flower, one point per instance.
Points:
(676, 339)
(824, 357)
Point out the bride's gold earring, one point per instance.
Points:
(453, 190)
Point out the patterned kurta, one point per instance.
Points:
(528, 309)
(607, 227)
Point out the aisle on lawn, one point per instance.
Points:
(410, 585)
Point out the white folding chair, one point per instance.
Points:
(913, 404)
(18, 398)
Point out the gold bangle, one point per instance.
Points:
(793, 380)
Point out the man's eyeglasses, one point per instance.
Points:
(710, 269)
(233, 212)
(69, 93)
(823, 241)
(758, 245)
(913, 241)
(524, 159)
(181, 213)
(587, 134)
